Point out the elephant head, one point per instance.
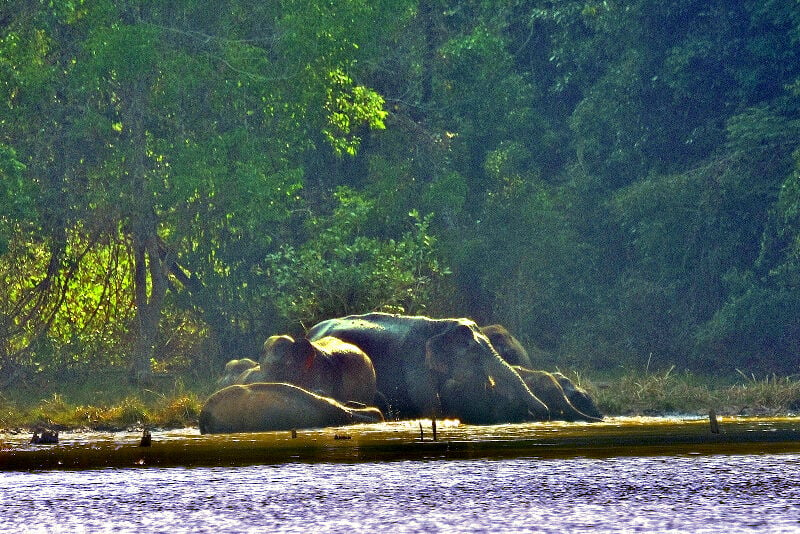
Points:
(235, 369)
(507, 346)
(284, 359)
(328, 366)
(474, 383)
(578, 396)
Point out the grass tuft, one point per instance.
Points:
(106, 402)
(770, 394)
(179, 411)
(653, 393)
(176, 404)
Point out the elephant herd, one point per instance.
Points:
(357, 368)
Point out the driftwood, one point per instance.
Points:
(712, 419)
(44, 437)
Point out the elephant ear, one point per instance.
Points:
(304, 353)
(434, 359)
(461, 338)
(275, 349)
(442, 349)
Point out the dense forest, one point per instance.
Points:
(618, 183)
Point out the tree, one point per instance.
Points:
(140, 89)
(344, 270)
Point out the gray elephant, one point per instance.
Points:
(437, 367)
(234, 369)
(578, 396)
(507, 346)
(548, 387)
(328, 366)
(263, 407)
(512, 351)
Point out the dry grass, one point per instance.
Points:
(96, 406)
(129, 412)
(772, 394)
(630, 393)
(649, 393)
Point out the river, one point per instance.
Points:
(641, 492)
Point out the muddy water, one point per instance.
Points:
(510, 478)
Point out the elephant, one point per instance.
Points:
(578, 397)
(234, 369)
(437, 368)
(507, 346)
(251, 376)
(328, 366)
(263, 406)
(548, 387)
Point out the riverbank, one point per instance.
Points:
(103, 401)
(401, 440)
(668, 392)
(106, 402)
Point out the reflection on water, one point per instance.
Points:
(735, 493)
(406, 440)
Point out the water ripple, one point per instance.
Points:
(743, 493)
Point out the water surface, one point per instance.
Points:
(622, 475)
(699, 493)
(407, 440)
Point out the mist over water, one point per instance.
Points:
(731, 493)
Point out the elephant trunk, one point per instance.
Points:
(510, 385)
(367, 415)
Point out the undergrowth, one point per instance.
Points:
(104, 402)
(94, 405)
(668, 392)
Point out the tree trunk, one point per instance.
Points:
(150, 283)
(148, 305)
(426, 157)
(426, 12)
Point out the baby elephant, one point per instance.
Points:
(234, 369)
(566, 401)
(507, 346)
(328, 366)
(263, 407)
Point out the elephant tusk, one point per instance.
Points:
(490, 382)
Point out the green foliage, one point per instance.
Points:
(758, 324)
(123, 53)
(532, 257)
(488, 102)
(84, 307)
(340, 270)
(756, 329)
(613, 181)
(788, 230)
(446, 195)
(16, 204)
(178, 128)
(349, 106)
